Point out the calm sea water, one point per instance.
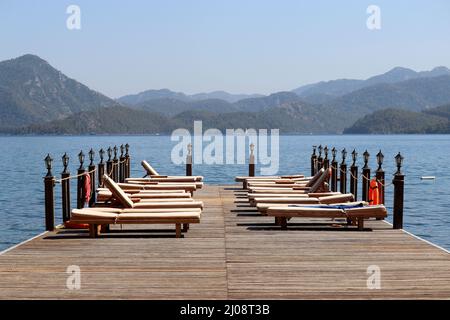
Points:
(427, 212)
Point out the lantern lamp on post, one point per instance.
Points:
(354, 156)
(127, 148)
(399, 163)
(314, 150)
(333, 152)
(109, 151)
(344, 155)
(366, 156)
(101, 153)
(91, 157)
(65, 161)
(320, 151)
(81, 159)
(380, 158)
(115, 152)
(48, 164)
(325, 150)
(122, 150)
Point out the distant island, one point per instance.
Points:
(35, 98)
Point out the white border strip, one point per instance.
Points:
(421, 239)
(21, 243)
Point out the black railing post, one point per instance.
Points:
(101, 167)
(65, 189)
(91, 169)
(380, 175)
(128, 161)
(399, 189)
(343, 173)
(354, 176)
(365, 177)
(115, 170)
(122, 164)
(314, 162)
(320, 159)
(49, 193)
(334, 171)
(189, 160)
(80, 181)
(109, 163)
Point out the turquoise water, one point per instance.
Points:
(427, 212)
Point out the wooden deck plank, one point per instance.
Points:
(232, 254)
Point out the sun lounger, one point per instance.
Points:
(96, 217)
(315, 185)
(353, 212)
(104, 195)
(198, 184)
(262, 204)
(153, 174)
(126, 201)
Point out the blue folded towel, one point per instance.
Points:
(331, 206)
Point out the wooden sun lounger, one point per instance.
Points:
(244, 178)
(314, 185)
(263, 204)
(126, 200)
(106, 195)
(358, 215)
(97, 218)
(252, 196)
(184, 187)
(198, 184)
(152, 173)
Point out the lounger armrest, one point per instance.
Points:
(158, 176)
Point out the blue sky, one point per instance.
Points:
(238, 46)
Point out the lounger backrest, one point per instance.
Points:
(315, 178)
(150, 170)
(323, 177)
(117, 192)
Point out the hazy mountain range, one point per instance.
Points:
(36, 98)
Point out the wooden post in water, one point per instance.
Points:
(251, 162)
(399, 186)
(128, 161)
(380, 177)
(91, 169)
(365, 177)
(354, 176)
(80, 181)
(49, 193)
(109, 162)
(320, 159)
(189, 160)
(314, 162)
(65, 189)
(334, 171)
(101, 167)
(115, 170)
(343, 173)
(326, 161)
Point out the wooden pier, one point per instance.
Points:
(232, 254)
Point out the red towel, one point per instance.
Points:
(87, 187)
